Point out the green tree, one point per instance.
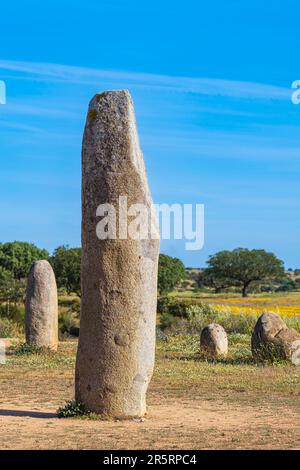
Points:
(12, 291)
(285, 284)
(17, 257)
(66, 263)
(208, 278)
(243, 266)
(170, 272)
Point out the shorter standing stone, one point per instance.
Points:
(213, 340)
(272, 338)
(41, 317)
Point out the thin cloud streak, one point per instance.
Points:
(37, 110)
(205, 86)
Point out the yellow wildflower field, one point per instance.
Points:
(284, 310)
(287, 305)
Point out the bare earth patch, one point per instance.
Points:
(208, 408)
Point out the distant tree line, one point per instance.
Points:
(241, 269)
(17, 257)
(15, 261)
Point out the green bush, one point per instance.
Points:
(15, 313)
(25, 349)
(68, 318)
(68, 323)
(174, 307)
(201, 315)
(163, 304)
(73, 303)
(72, 409)
(167, 321)
(9, 329)
(178, 309)
(188, 317)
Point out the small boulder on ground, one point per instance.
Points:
(272, 338)
(213, 340)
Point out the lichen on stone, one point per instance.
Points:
(92, 115)
(99, 96)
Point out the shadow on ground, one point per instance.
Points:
(28, 414)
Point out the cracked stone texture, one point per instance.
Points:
(213, 340)
(115, 356)
(271, 335)
(41, 317)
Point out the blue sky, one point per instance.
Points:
(211, 82)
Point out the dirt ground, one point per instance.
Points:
(183, 414)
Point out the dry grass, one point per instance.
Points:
(193, 403)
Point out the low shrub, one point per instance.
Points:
(68, 324)
(9, 328)
(25, 349)
(72, 409)
(72, 303)
(14, 312)
(168, 321)
(163, 304)
(187, 317)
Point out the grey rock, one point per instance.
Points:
(272, 338)
(116, 347)
(41, 316)
(213, 340)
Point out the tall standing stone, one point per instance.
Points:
(116, 347)
(41, 317)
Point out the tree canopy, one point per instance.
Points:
(209, 278)
(66, 263)
(170, 272)
(17, 257)
(242, 267)
(11, 290)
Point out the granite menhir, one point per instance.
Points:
(41, 317)
(115, 356)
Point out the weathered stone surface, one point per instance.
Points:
(41, 318)
(116, 348)
(272, 338)
(8, 342)
(213, 340)
(290, 340)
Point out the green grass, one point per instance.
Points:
(188, 373)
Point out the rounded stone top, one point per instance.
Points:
(41, 264)
(271, 323)
(117, 93)
(118, 96)
(41, 270)
(215, 326)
